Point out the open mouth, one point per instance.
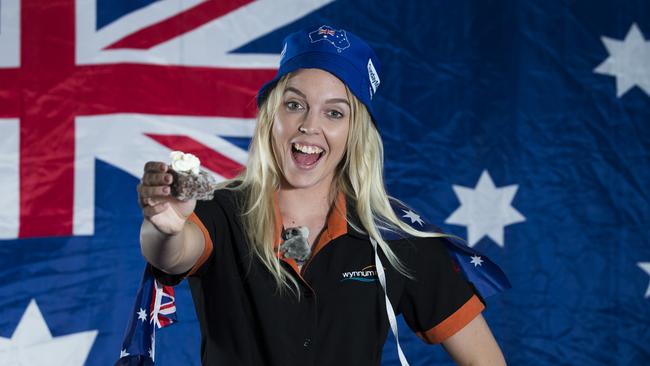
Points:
(306, 156)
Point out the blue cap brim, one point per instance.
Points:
(329, 62)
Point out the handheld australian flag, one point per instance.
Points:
(154, 308)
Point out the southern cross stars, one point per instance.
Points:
(485, 210)
(142, 315)
(413, 217)
(476, 260)
(628, 61)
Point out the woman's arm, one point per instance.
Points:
(175, 253)
(168, 240)
(474, 345)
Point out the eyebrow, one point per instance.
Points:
(329, 101)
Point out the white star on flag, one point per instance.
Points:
(33, 344)
(485, 210)
(413, 217)
(628, 61)
(124, 353)
(476, 260)
(142, 315)
(646, 267)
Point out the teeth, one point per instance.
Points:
(307, 149)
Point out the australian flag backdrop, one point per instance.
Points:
(521, 126)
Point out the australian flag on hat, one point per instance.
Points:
(154, 308)
(337, 37)
(485, 275)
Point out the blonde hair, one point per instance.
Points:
(359, 177)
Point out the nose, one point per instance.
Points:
(310, 124)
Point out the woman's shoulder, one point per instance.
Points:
(418, 249)
(228, 199)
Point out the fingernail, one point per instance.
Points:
(166, 190)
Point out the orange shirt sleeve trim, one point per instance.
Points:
(454, 322)
(207, 249)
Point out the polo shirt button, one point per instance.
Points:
(307, 342)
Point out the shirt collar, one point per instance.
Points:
(335, 226)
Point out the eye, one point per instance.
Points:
(335, 114)
(292, 105)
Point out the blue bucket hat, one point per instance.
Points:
(336, 51)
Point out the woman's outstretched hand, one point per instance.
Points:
(164, 211)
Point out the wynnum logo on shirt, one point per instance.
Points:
(367, 274)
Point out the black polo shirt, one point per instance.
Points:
(340, 317)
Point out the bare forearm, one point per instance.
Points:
(486, 359)
(173, 254)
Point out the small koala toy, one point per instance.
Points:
(295, 244)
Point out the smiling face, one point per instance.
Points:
(310, 129)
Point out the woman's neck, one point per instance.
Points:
(304, 207)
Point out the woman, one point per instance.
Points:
(315, 161)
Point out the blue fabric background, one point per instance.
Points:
(503, 86)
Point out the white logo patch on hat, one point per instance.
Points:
(373, 77)
(284, 50)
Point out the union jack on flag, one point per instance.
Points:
(89, 91)
(327, 31)
(122, 82)
(162, 308)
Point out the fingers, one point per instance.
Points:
(156, 179)
(152, 195)
(154, 189)
(155, 167)
(154, 192)
(151, 201)
(149, 211)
